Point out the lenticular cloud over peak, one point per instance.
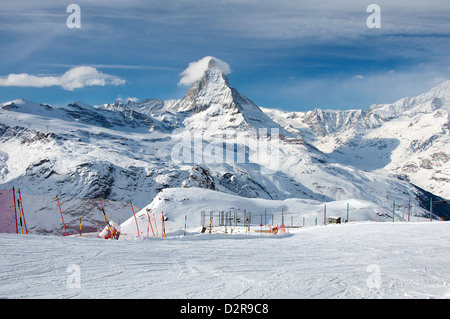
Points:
(196, 69)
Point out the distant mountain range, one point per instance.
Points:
(218, 139)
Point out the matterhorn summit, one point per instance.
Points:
(208, 85)
(213, 104)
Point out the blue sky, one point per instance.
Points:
(293, 55)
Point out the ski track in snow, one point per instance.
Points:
(316, 262)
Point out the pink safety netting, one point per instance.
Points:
(7, 212)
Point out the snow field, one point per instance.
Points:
(356, 260)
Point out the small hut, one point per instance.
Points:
(334, 220)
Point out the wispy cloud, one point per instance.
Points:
(117, 66)
(75, 78)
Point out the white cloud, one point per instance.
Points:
(131, 99)
(196, 69)
(358, 77)
(75, 78)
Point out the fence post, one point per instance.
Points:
(163, 225)
(431, 209)
(245, 218)
(347, 211)
(409, 209)
(210, 221)
(393, 211)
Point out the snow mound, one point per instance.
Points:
(178, 203)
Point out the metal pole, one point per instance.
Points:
(202, 218)
(347, 211)
(393, 211)
(210, 221)
(409, 208)
(226, 218)
(163, 225)
(245, 220)
(261, 225)
(431, 209)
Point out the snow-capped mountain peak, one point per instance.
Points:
(211, 88)
(211, 104)
(436, 98)
(441, 91)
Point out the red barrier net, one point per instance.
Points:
(7, 212)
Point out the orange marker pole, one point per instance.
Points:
(135, 219)
(23, 214)
(62, 218)
(150, 223)
(20, 217)
(156, 226)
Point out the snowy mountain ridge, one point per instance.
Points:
(125, 151)
(409, 137)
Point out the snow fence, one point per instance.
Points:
(58, 215)
(8, 217)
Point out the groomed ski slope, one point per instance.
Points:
(355, 260)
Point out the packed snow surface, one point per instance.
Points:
(355, 260)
